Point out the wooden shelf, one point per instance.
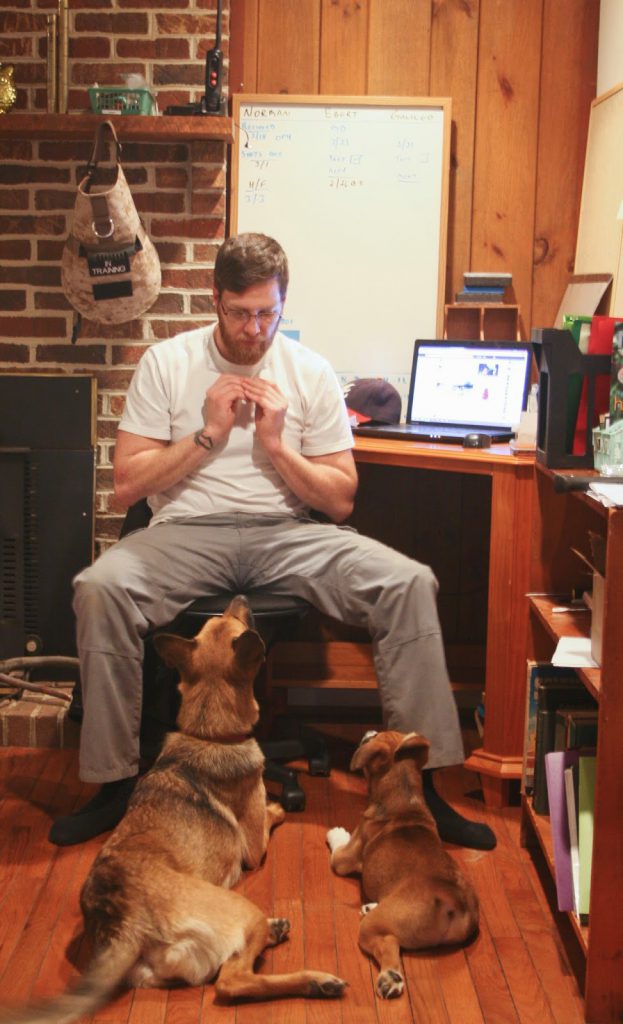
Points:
(132, 127)
(563, 525)
(541, 827)
(571, 624)
(471, 321)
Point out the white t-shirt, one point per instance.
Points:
(165, 400)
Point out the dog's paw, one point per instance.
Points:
(278, 929)
(390, 984)
(367, 907)
(275, 814)
(337, 837)
(326, 986)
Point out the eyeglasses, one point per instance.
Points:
(265, 317)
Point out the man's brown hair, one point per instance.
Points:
(248, 259)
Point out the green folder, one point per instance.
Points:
(586, 809)
(580, 328)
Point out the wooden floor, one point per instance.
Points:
(516, 969)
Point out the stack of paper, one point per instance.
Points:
(609, 494)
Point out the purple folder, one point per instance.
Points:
(555, 764)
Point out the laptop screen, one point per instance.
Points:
(469, 382)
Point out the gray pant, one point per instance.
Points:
(144, 580)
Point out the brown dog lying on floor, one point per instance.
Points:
(156, 902)
(419, 896)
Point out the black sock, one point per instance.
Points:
(120, 789)
(101, 813)
(452, 827)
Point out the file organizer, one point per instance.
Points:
(559, 362)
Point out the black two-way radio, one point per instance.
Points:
(212, 102)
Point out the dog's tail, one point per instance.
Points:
(103, 976)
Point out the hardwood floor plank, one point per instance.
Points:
(53, 921)
(321, 954)
(523, 981)
(184, 1006)
(484, 871)
(360, 1005)
(457, 985)
(289, 956)
(559, 983)
(149, 1006)
(66, 930)
(116, 1012)
(489, 981)
(286, 851)
(316, 871)
(425, 992)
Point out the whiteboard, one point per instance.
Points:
(356, 192)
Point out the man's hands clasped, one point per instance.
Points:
(219, 408)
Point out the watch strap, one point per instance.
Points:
(204, 440)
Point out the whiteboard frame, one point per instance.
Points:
(443, 104)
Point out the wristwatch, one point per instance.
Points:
(204, 440)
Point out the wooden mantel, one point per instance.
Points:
(130, 126)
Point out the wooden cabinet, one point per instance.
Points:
(489, 322)
(563, 522)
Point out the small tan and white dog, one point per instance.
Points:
(157, 905)
(418, 896)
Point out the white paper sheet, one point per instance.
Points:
(574, 652)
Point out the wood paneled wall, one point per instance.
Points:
(521, 75)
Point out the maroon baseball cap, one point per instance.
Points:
(372, 399)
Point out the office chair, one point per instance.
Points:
(273, 613)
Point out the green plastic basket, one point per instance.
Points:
(110, 100)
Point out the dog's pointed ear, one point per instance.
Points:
(175, 651)
(249, 648)
(414, 746)
(366, 752)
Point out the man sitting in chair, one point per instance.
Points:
(234, 432)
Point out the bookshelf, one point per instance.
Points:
(562, 523)
(493, 321)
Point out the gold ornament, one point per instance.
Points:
(8, 92)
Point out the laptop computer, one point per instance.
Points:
(461, 387)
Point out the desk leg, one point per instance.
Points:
(496, 775)
(512, 508)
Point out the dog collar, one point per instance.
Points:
(231, 738)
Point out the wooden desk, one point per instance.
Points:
(512, 508)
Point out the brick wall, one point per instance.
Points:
(179, 190)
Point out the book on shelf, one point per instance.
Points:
(546, 685)
(489, 297)
(487, 279)
(571, 793)
(555, 764)
(553, 692)
(575, 727)
(492, 289)
(586, 811)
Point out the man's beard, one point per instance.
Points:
(244, 353)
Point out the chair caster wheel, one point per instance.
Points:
(319, 763)
(292, 798)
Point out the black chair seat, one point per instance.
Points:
(266, 607)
